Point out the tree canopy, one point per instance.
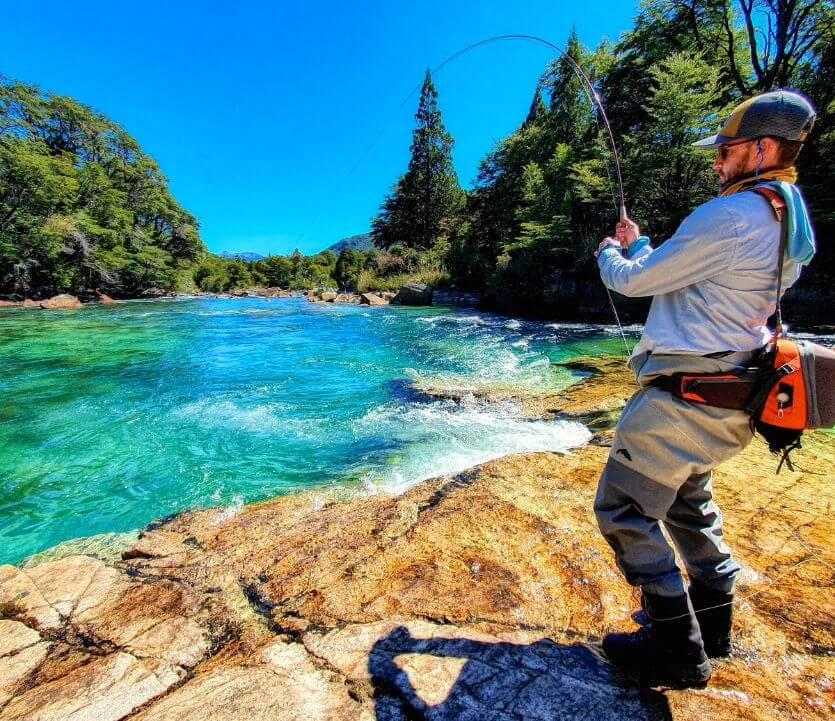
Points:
(81, 205)
(545, 195)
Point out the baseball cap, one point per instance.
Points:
(779, 114)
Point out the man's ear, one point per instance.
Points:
(770, 150)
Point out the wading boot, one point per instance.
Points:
(714, 612)
(668, 651)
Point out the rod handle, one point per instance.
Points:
(620, 230)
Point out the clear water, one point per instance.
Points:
(112, 416)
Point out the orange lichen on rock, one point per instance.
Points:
(474, 596)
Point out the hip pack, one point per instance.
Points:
(799, 393)
(789, 386)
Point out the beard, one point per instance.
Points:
(735, 171)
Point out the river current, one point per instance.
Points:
(112, 416)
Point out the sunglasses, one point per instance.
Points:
(723, 151)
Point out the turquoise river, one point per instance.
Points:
(112, 416)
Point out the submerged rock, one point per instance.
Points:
(106, 547)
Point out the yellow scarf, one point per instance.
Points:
(789, 175)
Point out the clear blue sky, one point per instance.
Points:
(261, 114)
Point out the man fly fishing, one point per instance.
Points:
(713, 285)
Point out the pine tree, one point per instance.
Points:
(537, 110)
(427, 198)
(569, 105)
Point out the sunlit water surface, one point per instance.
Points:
(112, 416)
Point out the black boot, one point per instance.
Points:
(667, 651)
(714, 612)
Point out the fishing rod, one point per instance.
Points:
(596, 101)
(594, 98)
(588, 87)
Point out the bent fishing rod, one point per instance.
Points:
(594, 99)
(588, 88)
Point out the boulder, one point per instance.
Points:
(413, 294)
(154, 293)
(372, 299)
(105, 299)
(62, 301)
(347, 298)
(29, 303)
(386, 295)
(328, 296)
(8, 303)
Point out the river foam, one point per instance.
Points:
(117, 415)
(445, 437)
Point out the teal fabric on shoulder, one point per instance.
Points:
(801, 242)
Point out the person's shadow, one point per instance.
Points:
(541, 681)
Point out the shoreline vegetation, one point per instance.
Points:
(472, 589)
(84, 209)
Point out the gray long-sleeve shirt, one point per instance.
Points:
(714, 281)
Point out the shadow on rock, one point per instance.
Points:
(457, 679)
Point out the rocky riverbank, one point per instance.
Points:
(468, 597)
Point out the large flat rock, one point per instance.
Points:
(107, 689)
(477, 596)
(278, 681)
(22, 650)
(89, 641)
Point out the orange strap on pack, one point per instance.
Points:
(778, 205)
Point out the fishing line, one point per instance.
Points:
(596, 101)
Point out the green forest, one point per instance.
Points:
(545, 195)
(83, 207)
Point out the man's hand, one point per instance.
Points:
(627, 232)
(607, 243)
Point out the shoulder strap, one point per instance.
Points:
(778, 205)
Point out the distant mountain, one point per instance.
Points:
(248, 257)
(357, 242)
